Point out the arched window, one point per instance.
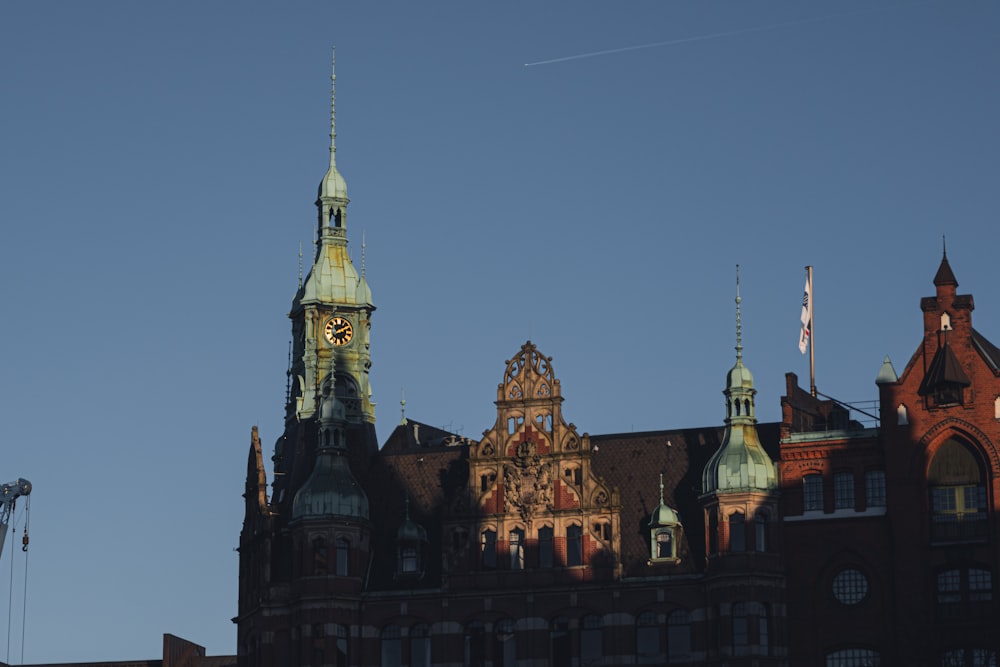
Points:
(559, 645)
(591, 641)
(420, 646)
(516, 546)
(504, 644)
(957, 494)
(853, 657)
(760, 541)
(392, 646)
(409, 559)
(664, 547)
(737, 533)
(343, 556)
(678, 636)
(475, 648)
(647, 637)
(574, 545)
(489, 547)
(545, 548)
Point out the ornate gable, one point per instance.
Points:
(530, 481)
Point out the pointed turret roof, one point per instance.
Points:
(944, 275)
(740, 464)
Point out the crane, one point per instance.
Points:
(9, 493)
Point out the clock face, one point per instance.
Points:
(338, 331)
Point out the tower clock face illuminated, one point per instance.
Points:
(338, 331)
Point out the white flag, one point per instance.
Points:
(806, 318)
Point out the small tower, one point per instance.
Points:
(664, 532)
(411, 548)
(740, 501)
(330, 526)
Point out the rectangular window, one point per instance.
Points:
(545, 550)
(875, 488)
(574, 546)
(959, 513)
(949, 587)
(737, 533)
(489, 548)
(812, 493)
(843, 490)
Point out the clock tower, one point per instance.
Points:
(331, 312)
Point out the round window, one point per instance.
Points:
(850, 586)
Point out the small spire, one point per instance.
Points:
(333, 108)
(407, 510)
(944, 247)
(288, 373)
(739, 323)
(661, 488)
(300, 264)
(363, 246)
(402, 407)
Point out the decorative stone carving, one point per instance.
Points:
(527, 486)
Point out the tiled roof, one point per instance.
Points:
(431, 474)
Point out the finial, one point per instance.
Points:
(363, 246)
(402, 407)
(944, 247)
(300, 264)
(739, 323)
(661, 488)
(407, 510)
(333, 108)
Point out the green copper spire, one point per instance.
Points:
(333, 187)
(740, 464)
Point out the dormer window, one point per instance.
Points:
(948, 394)
(664, 543)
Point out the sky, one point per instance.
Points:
(158, 170)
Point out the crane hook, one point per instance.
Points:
(24, 541)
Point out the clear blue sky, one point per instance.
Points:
(158, 170)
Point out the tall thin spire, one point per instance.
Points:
(661, 488)
(300, 264)
(333, 108)
(739, 323)
(402, 407)
(363, 246)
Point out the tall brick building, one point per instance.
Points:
(815, 541)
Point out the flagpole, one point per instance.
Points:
(812, 332)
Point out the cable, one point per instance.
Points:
(24, 603)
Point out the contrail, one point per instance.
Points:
(685, 40)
